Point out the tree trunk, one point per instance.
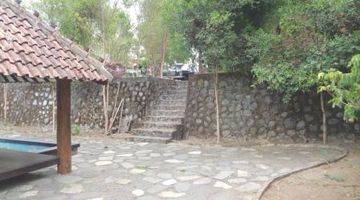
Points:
(202, 69)
(323, 110)
(217, 105)
(163, 52)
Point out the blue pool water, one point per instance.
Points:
(33, 148)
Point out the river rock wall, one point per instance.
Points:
(247, 111)
(32, 104)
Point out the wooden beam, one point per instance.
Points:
(63, 131)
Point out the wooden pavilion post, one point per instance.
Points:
(63, 131)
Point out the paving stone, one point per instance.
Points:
(147, 197)
(68, 179)
(174, 161)
(164, 175)
(169, 182)
(143, 151)
(284, 158)
(142, 144)
(138, 192)
(284, 170)
(127, 165)
(257, 156)
(125, 155)
(202, 181)
(247, 149)
(154, 155)
(194, 152)
(187, 178)
(28, 194)
(123, 181)
(240, 162)
(261, 178)
(170, 194)
(223, 174)
(24, 188)
(262, 166)
(72, 189)
(109, 158)
(132, 167)
(109, 152)
(249, 187)
(182, 187)
(242, 173)
(223, 185)
(168, 154)
(152, 179)
(137, 171)
(237, 180)
(156, 189)
(103, 163)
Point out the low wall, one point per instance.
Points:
(32, 104)
(246, 111)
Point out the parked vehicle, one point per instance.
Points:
(180, 71)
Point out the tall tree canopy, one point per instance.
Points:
(96, 25)
(160, 34)
(308, 38)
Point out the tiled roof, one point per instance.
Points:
(32, 50)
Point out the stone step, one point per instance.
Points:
(171, 97)
(177, 113)
(176, 96)
(152, 139)
(167, 103)
(154, 132)
(169, 107)
(157, 125)
(176, 91)
(172, 102)
(164, 118)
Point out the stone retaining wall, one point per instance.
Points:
(246, 111)
(32, 104)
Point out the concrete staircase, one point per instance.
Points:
(164, 121)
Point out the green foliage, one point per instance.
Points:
(344, 88)
(75, 129)
(307, 38)
(97, 26)
(215, 29)
(160, 23)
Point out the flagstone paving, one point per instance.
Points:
(120, 170)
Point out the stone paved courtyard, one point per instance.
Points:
(108, 168)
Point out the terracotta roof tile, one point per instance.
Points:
(31, 48)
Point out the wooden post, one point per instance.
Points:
(63, 131)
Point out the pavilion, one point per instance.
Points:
(32, 51)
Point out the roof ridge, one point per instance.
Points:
(39, 23)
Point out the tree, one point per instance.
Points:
(344, 88)
(309, 38)
(97, 26)
(160, 34)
